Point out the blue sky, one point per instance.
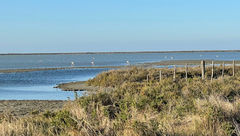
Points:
(118, 25)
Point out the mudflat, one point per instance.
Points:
(76, 86)
(81, 86)
(25, 107)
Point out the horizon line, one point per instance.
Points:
(120, 52)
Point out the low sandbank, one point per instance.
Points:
(80, 86)
(45, 69)
(76, 86)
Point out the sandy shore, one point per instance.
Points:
(25, 107)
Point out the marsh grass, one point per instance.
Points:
(140, 108)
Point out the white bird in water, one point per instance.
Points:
(72, 63)
(172, 57)
(128, 62)
(93, 59)
(165, 57)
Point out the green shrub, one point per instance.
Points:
(63, 119)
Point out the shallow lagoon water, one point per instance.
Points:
(53, 61)
(38, 85)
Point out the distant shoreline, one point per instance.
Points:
(134, 52)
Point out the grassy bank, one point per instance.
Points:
(138, 106)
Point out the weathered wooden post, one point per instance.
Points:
(160, 75)
(212, 71)
(223, 69)
(174, 73)
(186, 70)
(203, 69)
(233, 67)
(147, 78)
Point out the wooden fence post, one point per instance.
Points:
(203, 69)
(147, 78)
(174, 73)
(160, 75)
(233, 67)
(186, 70)
(223, 69)
(212, 71)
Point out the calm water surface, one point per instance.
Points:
(46, 61)
(39, 84)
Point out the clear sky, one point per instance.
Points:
(118, 25)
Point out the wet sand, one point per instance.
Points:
(20, 108)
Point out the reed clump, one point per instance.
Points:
(142, 105)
